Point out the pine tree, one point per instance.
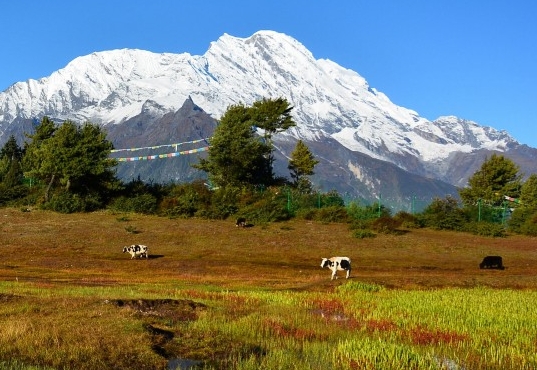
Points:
(10, 157)
(301, 164)
(272, 116)
(524, 218)
(498, 177)
(74, 157)
(33, 157)
(237, 155)
(11, 149)
(528, 193)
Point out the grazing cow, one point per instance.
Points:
(492, 262)
(241, 222)
(137, 251)
(337, 263)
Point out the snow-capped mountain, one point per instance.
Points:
(332, 104)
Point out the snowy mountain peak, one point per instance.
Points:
(330, 102)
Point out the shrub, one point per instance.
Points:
(524, 221)
(408, 220)
(331, 199)
(224, 203)
(65, 202)
(363, 233)
(144, 203)
(186, 200)
(385, 225)
(331, 214)
(361, 213)
(529, 227)
(306, 213)
(265, 210)
(445, 214)
(360, 224)
(486, 229)
(185, 206)
(12, 194)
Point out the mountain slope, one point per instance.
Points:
(334, 107)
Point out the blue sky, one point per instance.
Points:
(475, 59)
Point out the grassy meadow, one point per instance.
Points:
(214, 296)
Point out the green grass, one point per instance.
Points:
(256, 298)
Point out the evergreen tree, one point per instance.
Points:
(524, 218)
(272, 116)
(528, 193)
(497, 177)
(32, 149)
(444, 214)
(11, 174)
(301, 164)
(10, 168)
(74, 157)
(236, 156)
(11, 149)
(14, 175)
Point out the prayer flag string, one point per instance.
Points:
(159, 146)
(166, 155)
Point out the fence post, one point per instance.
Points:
(380, 197)
(288, 200)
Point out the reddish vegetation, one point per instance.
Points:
(86, 249)
(424, 336)
(278, 329)
(380, 325)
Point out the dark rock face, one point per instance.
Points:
(188, 127)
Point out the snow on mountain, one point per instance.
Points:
(330, 101)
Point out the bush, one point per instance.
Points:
(306, 213)
(66, 202)
(186, 200)
(524, 221)
(408, 220)
(363, 233)
(12, 195)
(331, 214)
(530, 226)
(486, 229)
(144, 203)
(445, 214)
(265, 210)
(224, 203)
(326, 214)
(385, 225)
(362, 213)
(331, 199)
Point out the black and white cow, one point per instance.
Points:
(137, 250)
(241, 222)
(492, 262)
(337, 264)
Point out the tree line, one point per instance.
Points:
(67, 168)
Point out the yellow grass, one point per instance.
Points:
(65, 280)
